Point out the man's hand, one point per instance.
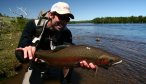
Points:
(28, 51)
(83, 63)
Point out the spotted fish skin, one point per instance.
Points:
(70, 56)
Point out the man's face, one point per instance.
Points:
(59, 21)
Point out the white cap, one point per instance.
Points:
(62, 8)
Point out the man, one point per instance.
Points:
(55, 33)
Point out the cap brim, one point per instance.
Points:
(69, 15)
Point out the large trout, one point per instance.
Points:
(70, 56)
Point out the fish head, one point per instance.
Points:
(106, 61)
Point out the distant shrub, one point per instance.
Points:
(1, 14)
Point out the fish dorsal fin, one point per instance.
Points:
(60, 47)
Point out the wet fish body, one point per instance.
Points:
(70, 56)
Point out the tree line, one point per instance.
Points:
(102, 20)
(131, 19)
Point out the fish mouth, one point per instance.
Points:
(117, 62)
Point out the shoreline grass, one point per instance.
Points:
(9, 37)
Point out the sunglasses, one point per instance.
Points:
(63, 17)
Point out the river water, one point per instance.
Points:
(126, 40)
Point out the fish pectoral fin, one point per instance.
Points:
(96, 71)
(65, 71)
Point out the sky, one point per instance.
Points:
(81, 9)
